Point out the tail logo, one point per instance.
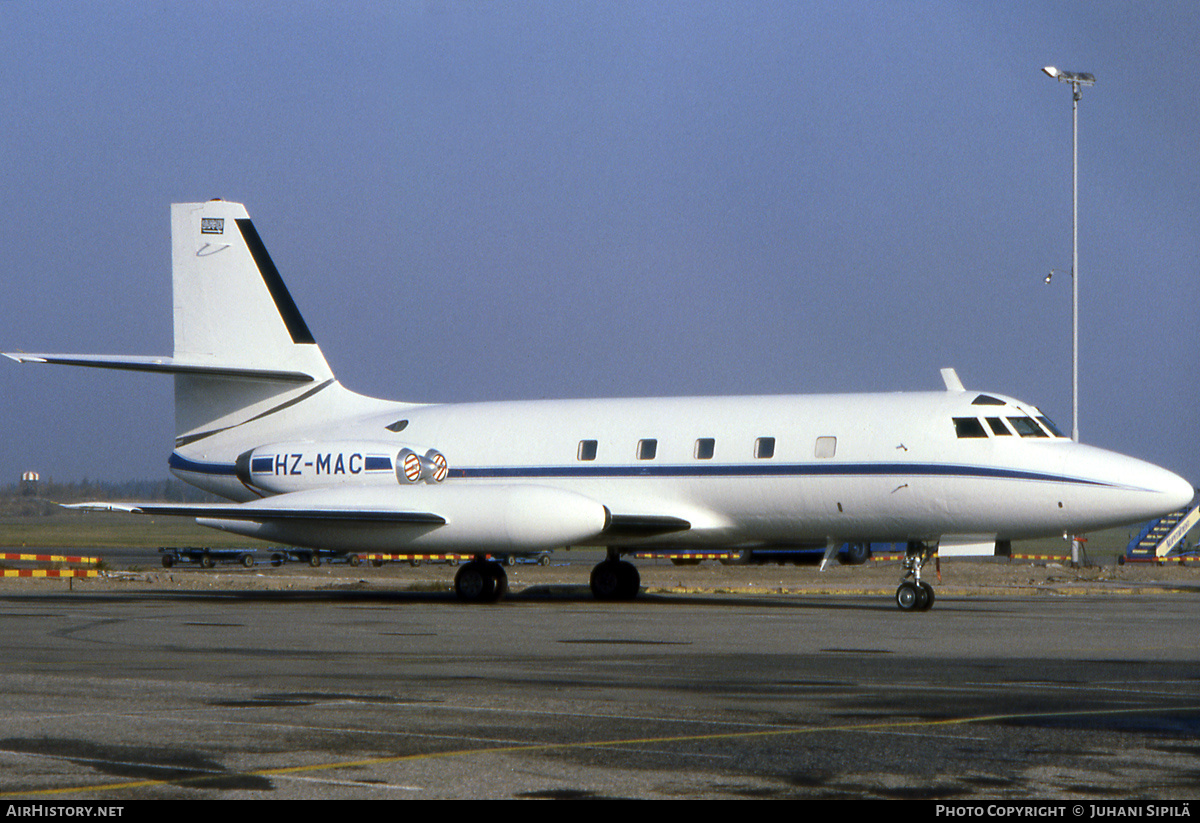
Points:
(212, 225)
(209, 249)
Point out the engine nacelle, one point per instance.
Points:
(280, 468)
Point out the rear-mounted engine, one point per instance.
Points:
(287, 467)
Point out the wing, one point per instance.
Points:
(249, 511)
(468, 518)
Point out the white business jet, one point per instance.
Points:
(262, 422)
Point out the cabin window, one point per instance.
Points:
(704, 448)
(968, 427)
(398, 426)
(647, 449)
(764, 447)
(1025, 427)
(998, 427)
(826, 447)
(587, 450)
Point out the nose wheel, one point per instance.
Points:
(914, 594)
(914, 597)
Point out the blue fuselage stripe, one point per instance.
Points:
(776, 470)
(185, 465)
(718, 470)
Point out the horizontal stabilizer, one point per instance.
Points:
(163, 365)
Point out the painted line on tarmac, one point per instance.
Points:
(597, 744)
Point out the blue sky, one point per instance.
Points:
(487, 200)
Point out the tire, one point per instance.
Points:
(468, 583)
(605, 580)
(926, 601)
(907, 597)
(856, 554)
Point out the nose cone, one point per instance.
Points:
(1177, 490)
(1163, 491)
(1120, 490)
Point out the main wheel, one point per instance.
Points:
(615, 580)
(856, 554)
(605, 580)
(480, 582)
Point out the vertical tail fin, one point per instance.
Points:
(232, 311)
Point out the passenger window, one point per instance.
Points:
(998, 427)
(587, 450)
(704, 448)
(1025, 427)
(764, 447)
(647, 449)
(969, 427)
(826, 447)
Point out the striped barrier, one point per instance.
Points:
(409, 557)
(1181, 559)
(696, 556)
(50, 558)
(49, 573)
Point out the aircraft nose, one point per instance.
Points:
(1170, 491)
(1177, 490)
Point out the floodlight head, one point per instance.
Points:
(1076, 78)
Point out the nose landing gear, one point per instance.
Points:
(915, 595)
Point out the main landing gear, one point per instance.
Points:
(485, 581)
(915, 595)
(481, 581)
(615, 579)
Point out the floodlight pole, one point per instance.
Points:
(1077, 81)
(1075, 95)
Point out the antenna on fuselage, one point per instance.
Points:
(950, 378)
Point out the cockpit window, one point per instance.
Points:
(1025, 427)
(1049, 424)
(998, 427)
(987, 400)
(968, 427)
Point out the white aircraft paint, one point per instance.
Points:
(262, 421)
